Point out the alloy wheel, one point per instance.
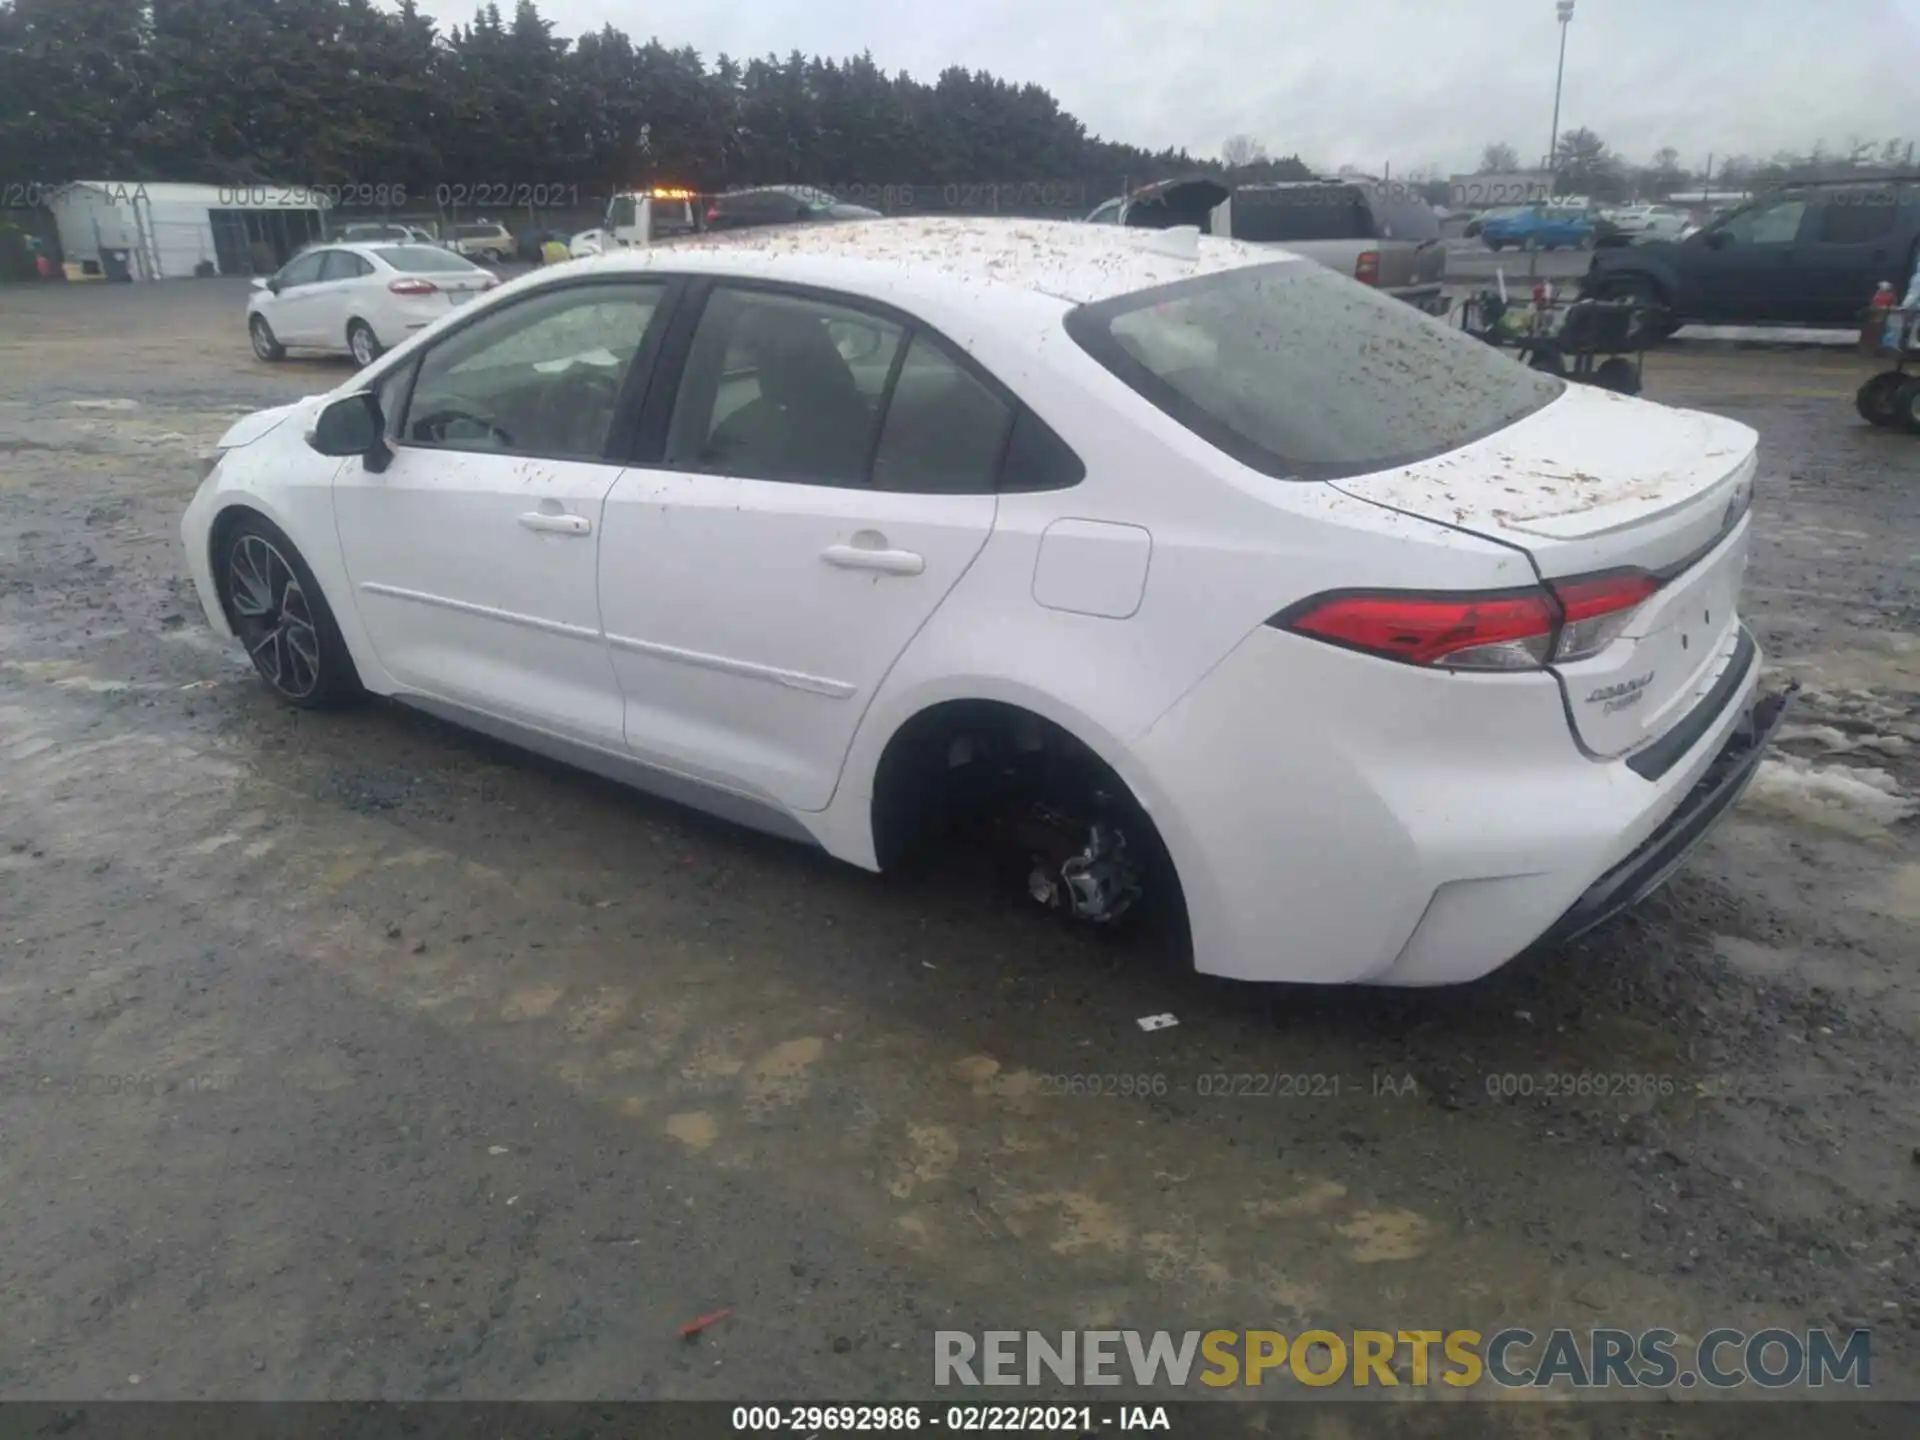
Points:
(273, 617)
(360, 342)
(262, 341)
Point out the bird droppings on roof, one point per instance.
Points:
(1077, 263)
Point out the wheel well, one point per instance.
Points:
(217, 534)
(964, 764)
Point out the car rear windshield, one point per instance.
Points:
(423, 259)
(1300, 373)
(1301, 212)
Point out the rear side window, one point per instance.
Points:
(944, 429)
(1301, 212)
(1297, 372)
(1854, 217)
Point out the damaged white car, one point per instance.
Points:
(1216, 585)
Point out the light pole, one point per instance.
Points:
(1565, 11)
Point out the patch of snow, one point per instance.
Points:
(1856, 801)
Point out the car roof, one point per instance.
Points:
(1068, 261)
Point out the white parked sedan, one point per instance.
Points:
(1208, 580)
(361, 299)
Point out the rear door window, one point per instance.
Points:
(344, 265)
(1857, 217)
(1270, 215)
(1297, 372)
(945, 429)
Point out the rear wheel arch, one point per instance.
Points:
(918, 791)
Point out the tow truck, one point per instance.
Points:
(638, 218)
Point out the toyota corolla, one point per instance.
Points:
(1209, 582)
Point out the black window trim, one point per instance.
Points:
(627, 406)
(1088, 325)
(649, 450)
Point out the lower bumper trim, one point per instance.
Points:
(1667, 849)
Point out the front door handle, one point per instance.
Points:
(557, 524)
(887, 562)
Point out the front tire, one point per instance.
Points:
(280, 615)
(362, 344)
(264, 345)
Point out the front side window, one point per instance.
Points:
(1777, 223)
(302, 269)
(622, 213)
(1107, 214)
(541, 377)
(782, 387)
(1297, 372)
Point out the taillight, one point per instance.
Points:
(1489, 630)
(713, 214)
(1596, 608)
(413, 287)
(1367, 268)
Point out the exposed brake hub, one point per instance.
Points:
(1079, 867)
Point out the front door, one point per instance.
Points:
(472, 554)
(1747, 269)
(292, 312)
(824, 475)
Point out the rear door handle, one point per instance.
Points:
(887, 562)
(557, 524)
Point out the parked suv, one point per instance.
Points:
(1809, 254)
(780, 205)
(1381, 234)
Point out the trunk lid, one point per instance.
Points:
(1599, 482)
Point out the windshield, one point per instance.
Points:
(423, 259)
(1299, 373)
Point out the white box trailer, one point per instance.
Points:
(152, 230)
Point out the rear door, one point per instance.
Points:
(293, 312)
(823, 473)
(1854, 241)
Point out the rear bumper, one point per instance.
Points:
(1666, 850)
(1430, 298)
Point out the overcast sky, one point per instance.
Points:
(1401, 82)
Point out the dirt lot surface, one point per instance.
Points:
(350, 1056)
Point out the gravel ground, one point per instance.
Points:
(352, 1056)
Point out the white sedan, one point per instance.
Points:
(1212, 584)
(360, 299)
(1650, 222)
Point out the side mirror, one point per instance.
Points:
(351, 425)
(263, 282)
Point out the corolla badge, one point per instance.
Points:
(1620, 696)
